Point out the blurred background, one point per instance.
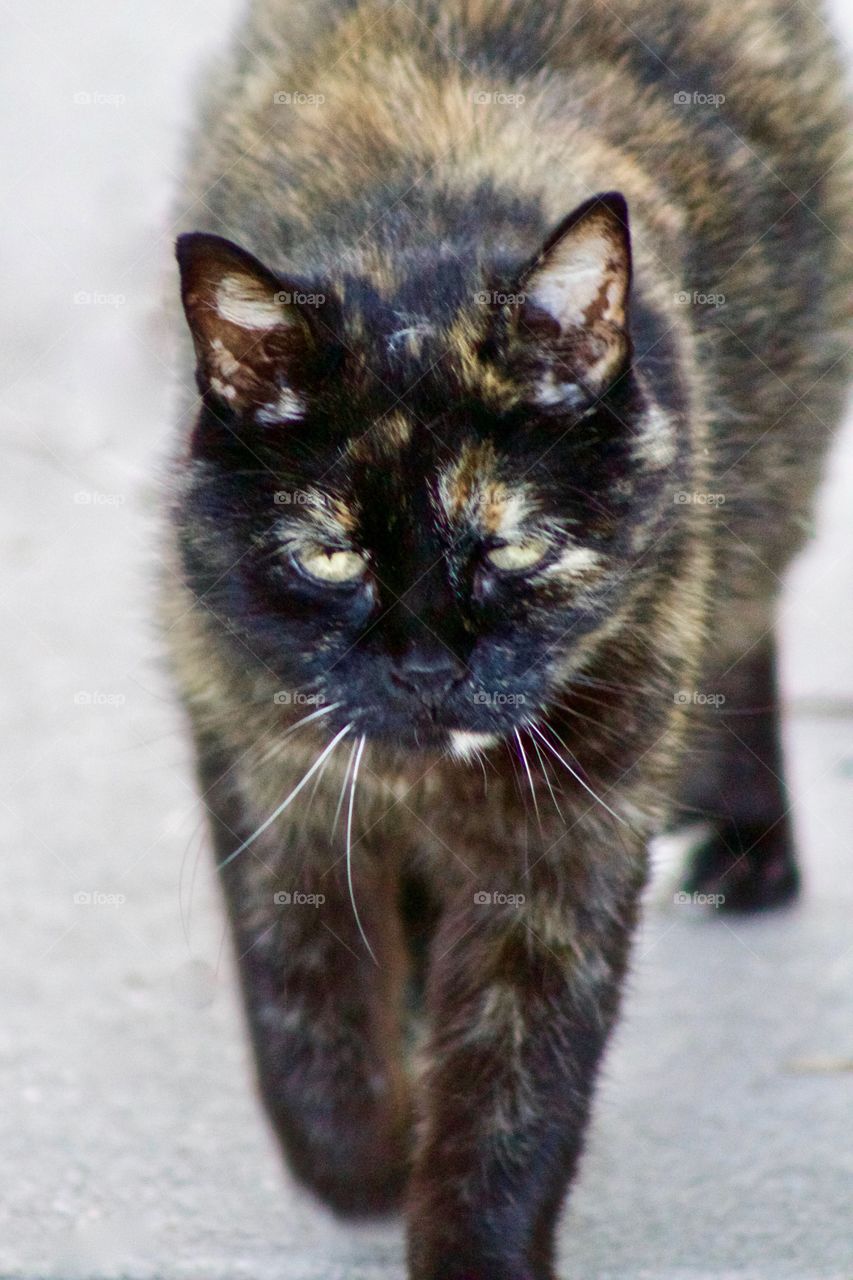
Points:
(131, 1144)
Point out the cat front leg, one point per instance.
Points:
(522, 995)
(324, 1015)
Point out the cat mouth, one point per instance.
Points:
(449, 733)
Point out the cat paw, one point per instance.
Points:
(747, 866)
(352, 1178)
(348, 1198)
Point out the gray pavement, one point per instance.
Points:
(131, 1145)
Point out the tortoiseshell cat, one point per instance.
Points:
(516, 362)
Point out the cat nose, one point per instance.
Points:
(431, 674)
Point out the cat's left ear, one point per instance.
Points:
(572, 315)
(257, 344)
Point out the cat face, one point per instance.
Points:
(421, 504)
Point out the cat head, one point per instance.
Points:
(421, 492)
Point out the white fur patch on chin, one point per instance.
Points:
(465, 745)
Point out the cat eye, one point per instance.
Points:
(518, 556)
(328, 564)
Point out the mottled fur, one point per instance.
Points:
(472, 373)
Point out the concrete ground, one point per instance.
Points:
(131, 1145)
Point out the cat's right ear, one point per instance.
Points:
(571, 325)
(258, 347)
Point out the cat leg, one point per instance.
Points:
(739, 786)
(521, 998)
(323, 1015)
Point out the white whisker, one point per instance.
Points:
(478, 756)
(318, 781)
(276, 747)
(344, 784)
(577, 777)
(361, 743)
(324, 754)
(529, 778)
(314, 715)
(543, 765)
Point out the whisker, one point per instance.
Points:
(529, 778)
(276, 748)
(324, 754)
(577, 777)
(478, 756)
(543, 764)
(340, 803)
(610, 730)
(579, 680)
(318, 781)
(522, 794)
(358, 756)
(314, 715)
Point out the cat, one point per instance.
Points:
(520, 329)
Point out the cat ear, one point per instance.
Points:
(255, 343)
(573, 313)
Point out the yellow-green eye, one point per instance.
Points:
(518, 555)
(330, 565)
